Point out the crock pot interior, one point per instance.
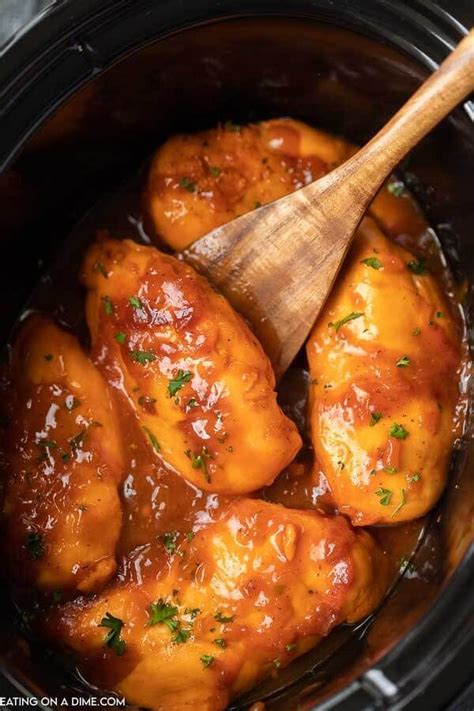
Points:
(243, 70)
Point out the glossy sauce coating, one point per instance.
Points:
(384, 357)
(182, 542)
(197, 379)
(63, 463)
(200, 181)
(249, 592)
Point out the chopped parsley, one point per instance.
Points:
(169, 541)
(187, 184)
(181, 635)
(439, 314)
(417, 266)
(403, 362)
(99, 267)
(219, 617)
(49, 357)
(396, 188)
(374, 418)
(181, 378)
(416, 476)
(390, 470)
(220, 643)
(385, 496)
(416, 332)
(214, 170)
(207, 660)
(193, 612)
(135, 302)
(108, 305)
(403, 500)
(372, 262)
(154, 442)
(162, 613)
(120, 337)
(336, 325)
(190, 535)
(199, 461)
(34, 544)
(398, 431)
(112, 638)
(290, 647)
(142, 357)
(277, 663)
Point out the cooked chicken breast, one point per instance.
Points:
(198, 625)
(194, 374)
(62, 461)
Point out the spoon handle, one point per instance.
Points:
(452, 82)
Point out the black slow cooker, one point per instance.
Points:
(89, 89)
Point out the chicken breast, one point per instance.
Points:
(197, 379)
(62, 462)
(200, 181)
(197, 625)
(384, 358)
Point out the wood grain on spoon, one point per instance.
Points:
(277, 264)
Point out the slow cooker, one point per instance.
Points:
(89, 89)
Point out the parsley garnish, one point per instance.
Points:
(169, 541)
(49, 357)
(372, 262)
(199, 461)
(350, 317)
(214, 170)
(135, 302)
(120, 337)
(290, 647)
(112, 638)
(181, 636)
(403, 362)
(154, 442)
(99, 267)
(176, 383)
(439, 314)
(192, 403)
(206, 660)
(193, 612)
(34, 544)
(222, 618)
(190, 535)
(385, 496)
(414, 477)
(188, 185)
(402, 503)
(417, 266)
(220, 643)
(163, 613)
(108, 305)
(390, 470)
(396, 188)
(416, 332)
(374, 418)
(398, 431)
(142, 357)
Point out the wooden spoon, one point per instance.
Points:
(277, 264)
